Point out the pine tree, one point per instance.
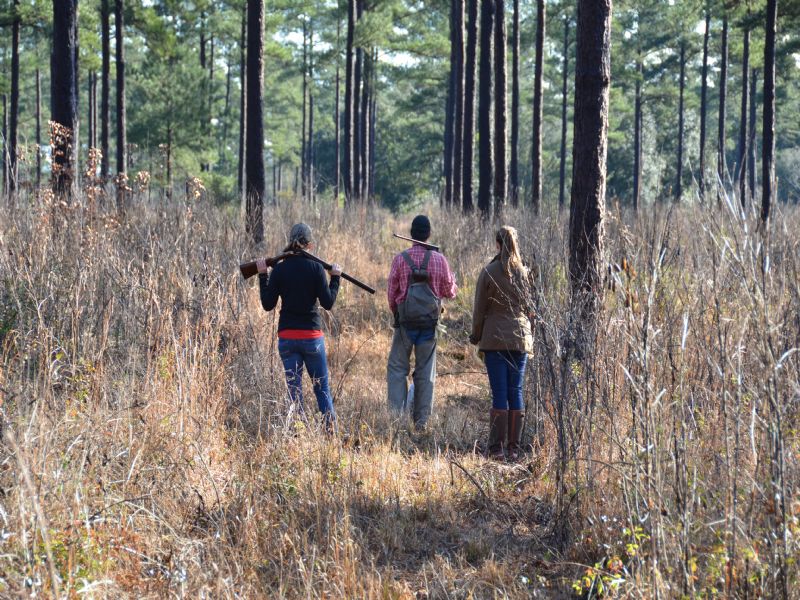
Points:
(64, 102)
(768, 127)
(536, 153)
(254, 170)
(587, 204)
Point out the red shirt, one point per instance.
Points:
(441, 278)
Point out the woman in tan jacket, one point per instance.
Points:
(501, 329)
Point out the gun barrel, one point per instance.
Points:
(249, 269)
(425, 245)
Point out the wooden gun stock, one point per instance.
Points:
(249, 269)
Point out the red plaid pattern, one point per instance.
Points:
(441, 278)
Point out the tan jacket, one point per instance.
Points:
(500, 315)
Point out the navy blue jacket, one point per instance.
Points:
(299, 282)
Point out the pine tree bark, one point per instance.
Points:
(701, 180)
(562, 169)
(358, 114)
(89, 107)
(64, 100)
(536, 153)
(589, 151)
(255, 176)
(449, 114)
(105, 85)
(682, 85)
(13, 170)
(500, 108)
(723, 92)
(122, 141)
(4, 157)
(242, 103)
(336, 117)
(637, 134)
(310, 150)
(458, 120)
(513, 176)
(38, 129)
(485, 158)
(349, 104)
(363, 125)
(303, 147)
(469, 105)
(768, 125)
(741, 153)
(751, 144)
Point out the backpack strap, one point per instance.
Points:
(407, 257)
(424, 265)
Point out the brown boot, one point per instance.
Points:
(514, 433)
(498, 421)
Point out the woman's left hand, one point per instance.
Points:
(261, 265)
(336, 270)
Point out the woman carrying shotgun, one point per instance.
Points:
(300, 282)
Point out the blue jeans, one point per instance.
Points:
(506, 370)
(311, 353)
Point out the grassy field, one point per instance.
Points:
(148, 449)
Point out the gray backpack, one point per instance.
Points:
(421, 308)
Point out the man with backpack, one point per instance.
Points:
(418, 281)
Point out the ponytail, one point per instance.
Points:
(509, 253)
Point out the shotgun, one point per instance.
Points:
(249, 269)
(425, 245)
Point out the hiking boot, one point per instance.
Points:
(514, 433)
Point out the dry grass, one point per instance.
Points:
(147, 450)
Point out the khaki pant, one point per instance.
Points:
(423, 343)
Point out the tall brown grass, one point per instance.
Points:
(148, 449)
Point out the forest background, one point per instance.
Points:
(147, 448)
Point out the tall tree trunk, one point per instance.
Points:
(227, 112)
(513, 174)
(256, 179)
(701, 182)
(363, 125)
(536, 153)
(105, 85)
(6, 165)
(741, 154)
(303, 149)
(310, 150)
(723, 92)
(349, 104)
(338, 163)
(768, 126)
(122, 142)
(751, 143)
(242, 103)
(637, 133)
(64, 100)
(38, 129)
(13, 171)
(449, 114)
(589, 151)
(469, 105)
(89, 115)
(485, 158)
(373, 113)
(500, 103)
(562, 170)
(358, 114)
(458, 121)
(679, 166)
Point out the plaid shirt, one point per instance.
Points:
(441, 278)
